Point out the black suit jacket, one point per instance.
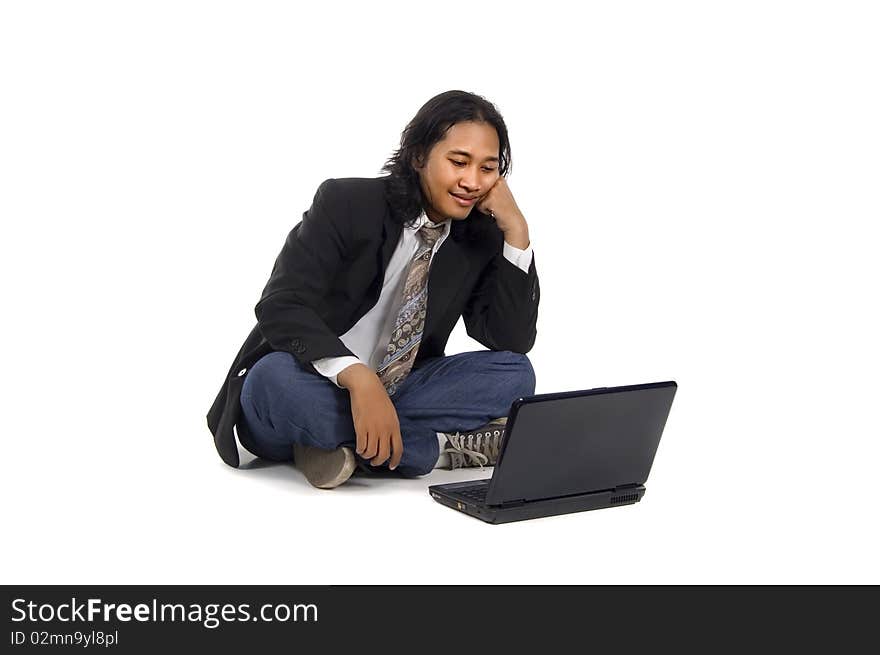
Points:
(330, 272)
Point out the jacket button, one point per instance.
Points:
(242, 372)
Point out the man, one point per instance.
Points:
(346, 365)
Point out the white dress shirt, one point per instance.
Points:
(369, 337)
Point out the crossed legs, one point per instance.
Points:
(284, 404)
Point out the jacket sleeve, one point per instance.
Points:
(502, 312)
(302, 274)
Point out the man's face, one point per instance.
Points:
(464, 164)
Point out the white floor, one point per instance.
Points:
(127, 507)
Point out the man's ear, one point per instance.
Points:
(418, 161)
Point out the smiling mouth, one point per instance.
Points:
(464, 200)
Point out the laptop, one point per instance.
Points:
(568, 452)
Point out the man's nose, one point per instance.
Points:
(468, 181)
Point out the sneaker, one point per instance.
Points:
(324, 469)
(478, 447)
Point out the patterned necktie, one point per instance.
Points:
(407, 333)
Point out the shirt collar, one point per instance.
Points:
(423, 220)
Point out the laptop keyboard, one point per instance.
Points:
(476, 493)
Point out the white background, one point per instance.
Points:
(701, 185)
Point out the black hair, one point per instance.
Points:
(430, 124)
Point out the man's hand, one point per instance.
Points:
(499, 201)
(375, 419)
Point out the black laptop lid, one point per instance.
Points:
(580, 441)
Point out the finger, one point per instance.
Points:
(370, 450)
(361, 433)
(384, 451)
(396, 449)
(484, 207)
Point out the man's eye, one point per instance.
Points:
(461, 163)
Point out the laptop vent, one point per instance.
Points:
(626, 498)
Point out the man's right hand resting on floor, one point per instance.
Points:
(374, 416)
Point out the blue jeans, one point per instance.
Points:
(284, 403)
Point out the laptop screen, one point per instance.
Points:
(580, 442)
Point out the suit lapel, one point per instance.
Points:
(448, 269)
(390, 236)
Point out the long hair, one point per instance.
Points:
(430, 124)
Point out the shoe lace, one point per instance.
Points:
(474, 448)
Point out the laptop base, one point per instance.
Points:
(446, 494)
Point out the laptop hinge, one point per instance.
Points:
(513, 503)
(624, 487)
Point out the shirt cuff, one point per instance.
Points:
(522, 259)
(330, 367)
